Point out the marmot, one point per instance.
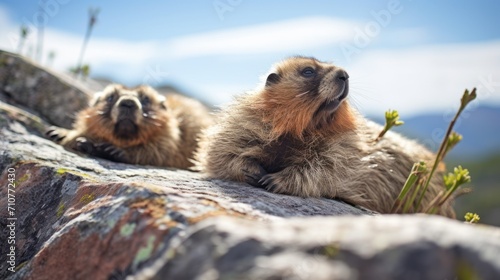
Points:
(297, 134)
(137, 126)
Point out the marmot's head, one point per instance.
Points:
(303, 94)
(126, 117)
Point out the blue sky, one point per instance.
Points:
(415, 56)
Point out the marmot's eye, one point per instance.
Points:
(308, 72)
(110, 98)
(145, 100)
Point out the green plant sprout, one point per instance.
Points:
(391, 119)
(84, 70)
(25, 31)
(472, 218)
(453, 140)
(452, 181)
(50, 58)
(443, 149)
(420, 178)
(417, 171)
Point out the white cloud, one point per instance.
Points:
(9, 36)
(426, 78)
(221, 94)
(100, 52)
(405, 36)
(118, 58)
(291, 35)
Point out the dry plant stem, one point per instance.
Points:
(432, 209)
(382, 133)
(444, 144)
(22, 40)
(453, 181)
(92, 20)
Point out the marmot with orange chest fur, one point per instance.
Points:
(137, 126)
(298, 135)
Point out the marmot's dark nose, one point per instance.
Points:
(128, 103)
(342, 75)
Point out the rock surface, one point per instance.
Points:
(83, 218)
(55, 97)
(381, 247)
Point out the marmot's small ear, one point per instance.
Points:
(162, 100)
(273, 78)
(163, 105)
(95, 99)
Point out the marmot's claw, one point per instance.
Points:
(55, 134)
(111, 152)
(268, 182)
(102, 150)
(271, 188)
(253, 177)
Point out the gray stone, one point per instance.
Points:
(363, 247)
(55, 97)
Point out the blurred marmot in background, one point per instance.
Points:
(137, 126)
(298, 135)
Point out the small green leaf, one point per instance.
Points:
(468, 97)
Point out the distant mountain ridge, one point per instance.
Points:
(480, 128)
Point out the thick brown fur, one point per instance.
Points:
(138, 126)
(279, 138)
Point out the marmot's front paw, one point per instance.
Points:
(102, 150)
(85, 146)
(56, 134)
(254, 172)
(111, 152)
(291, 181)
